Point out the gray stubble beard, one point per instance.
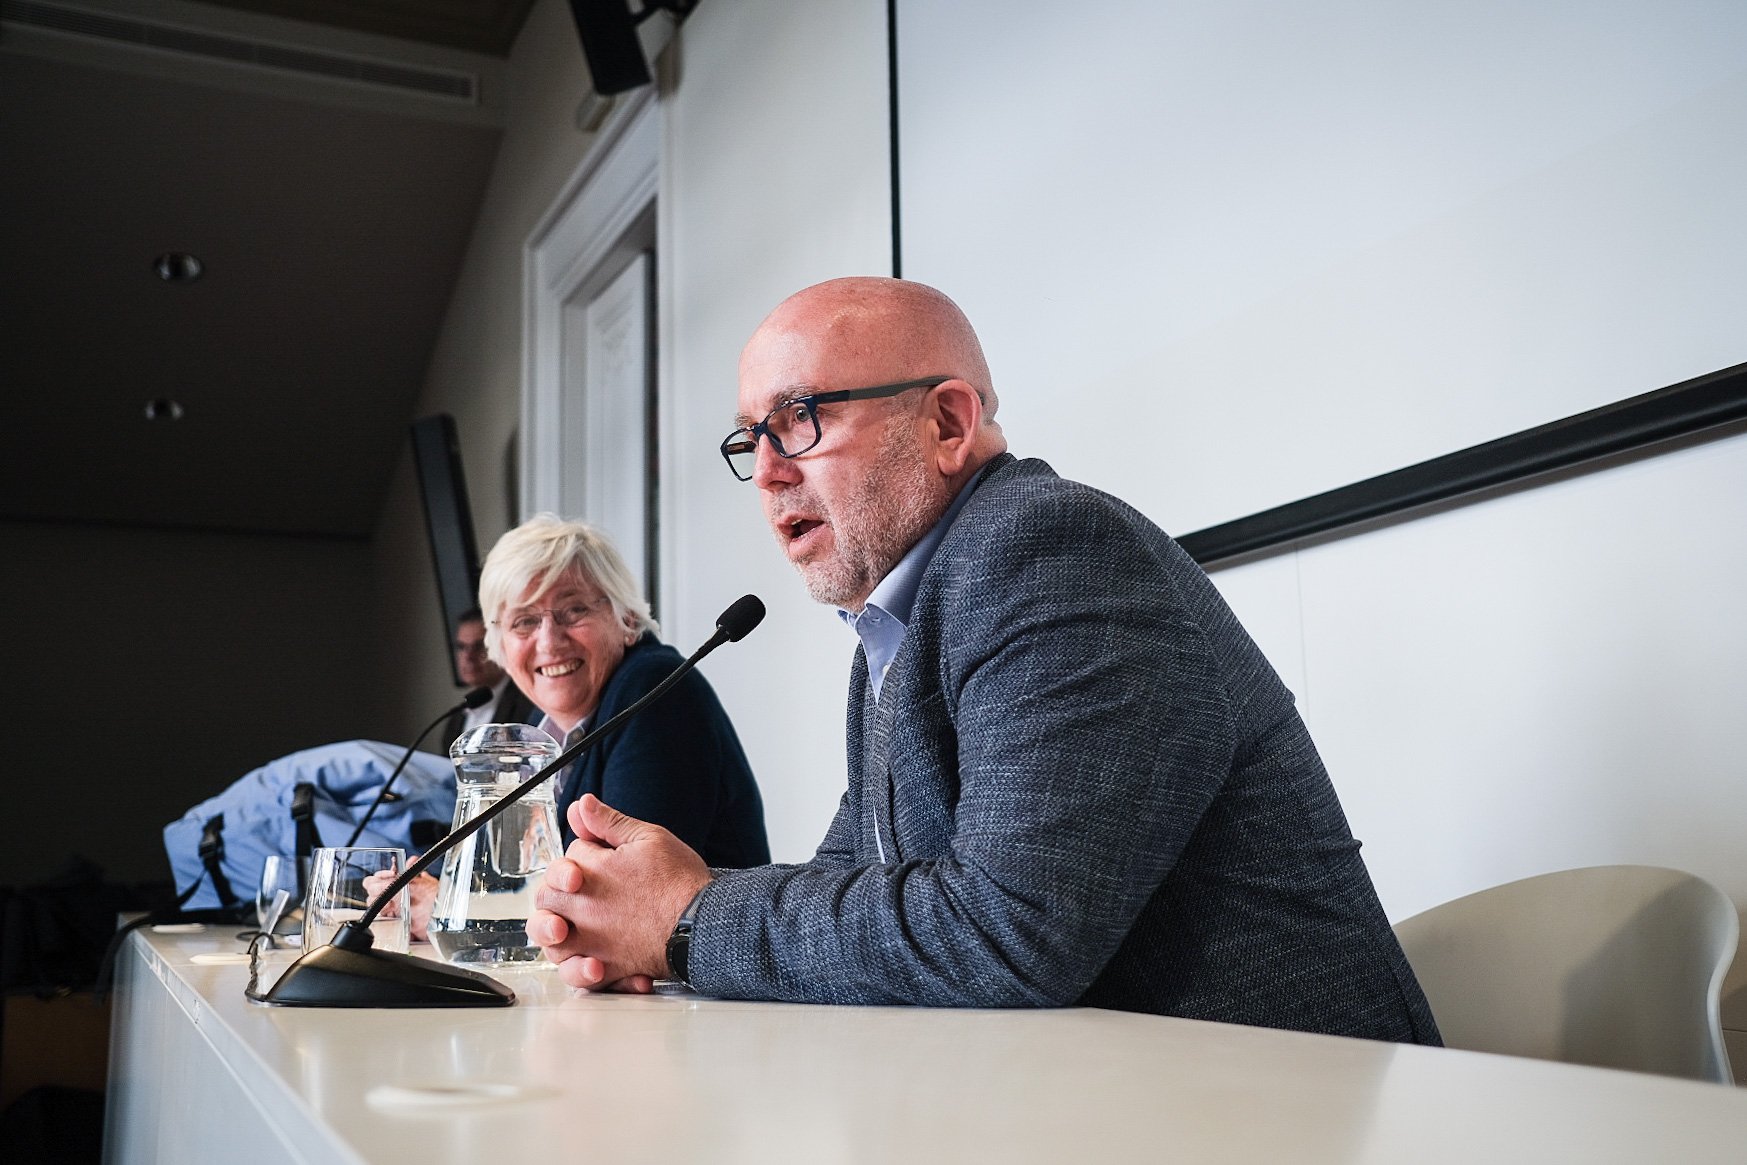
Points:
(878, 526)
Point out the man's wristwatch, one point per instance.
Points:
(679, 943)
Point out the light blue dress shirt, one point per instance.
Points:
(881, 623)
(565, 739)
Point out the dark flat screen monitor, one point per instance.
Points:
(448, 520)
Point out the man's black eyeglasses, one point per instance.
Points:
(792, 427)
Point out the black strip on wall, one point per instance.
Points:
(1676, 411)
(892, 116)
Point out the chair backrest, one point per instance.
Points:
(1617, 966)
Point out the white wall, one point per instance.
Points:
(1228, 255)
(476, 368)
(1304, 244)
(775, 177)
(1546, 679)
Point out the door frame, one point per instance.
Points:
(602, 215)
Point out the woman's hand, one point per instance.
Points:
(421, 894)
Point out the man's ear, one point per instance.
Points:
(955, 413)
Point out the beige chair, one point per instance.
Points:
(1617, 966)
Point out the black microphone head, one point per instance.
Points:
(741, 617)
(477, 698)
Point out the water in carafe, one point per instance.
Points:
(487, 889)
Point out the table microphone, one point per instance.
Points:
(477, 698)
(349, 972)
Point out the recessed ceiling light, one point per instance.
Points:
(163, 409)
(178, 267)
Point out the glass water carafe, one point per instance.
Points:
(487, 889)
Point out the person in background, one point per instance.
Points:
(1073, 778)
(474, 666)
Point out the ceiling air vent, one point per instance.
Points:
(450, 84)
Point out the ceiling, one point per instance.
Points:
(330, 216)
(480, 26)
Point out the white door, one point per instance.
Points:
(621, 406)
(588, 405)
(607, 473)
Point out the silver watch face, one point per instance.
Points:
(679, 945)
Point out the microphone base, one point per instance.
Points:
(331, 977)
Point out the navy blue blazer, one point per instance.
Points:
(1081, 783)
(677, 763)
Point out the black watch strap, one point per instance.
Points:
(679, 943)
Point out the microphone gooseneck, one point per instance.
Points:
(350, 972)
(477, 698)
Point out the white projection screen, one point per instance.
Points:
(1226, 255)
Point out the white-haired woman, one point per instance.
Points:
(564, 619)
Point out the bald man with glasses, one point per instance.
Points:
(1074, 779)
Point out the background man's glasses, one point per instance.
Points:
(528, 622)
(792, 427)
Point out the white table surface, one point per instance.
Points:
(603, 1078)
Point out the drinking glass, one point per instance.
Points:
(337, 894)
(280, 872)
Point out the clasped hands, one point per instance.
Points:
(609, 904)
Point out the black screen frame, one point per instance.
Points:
(1679, 410)
(448, 523)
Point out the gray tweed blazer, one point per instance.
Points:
(1081, 784)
